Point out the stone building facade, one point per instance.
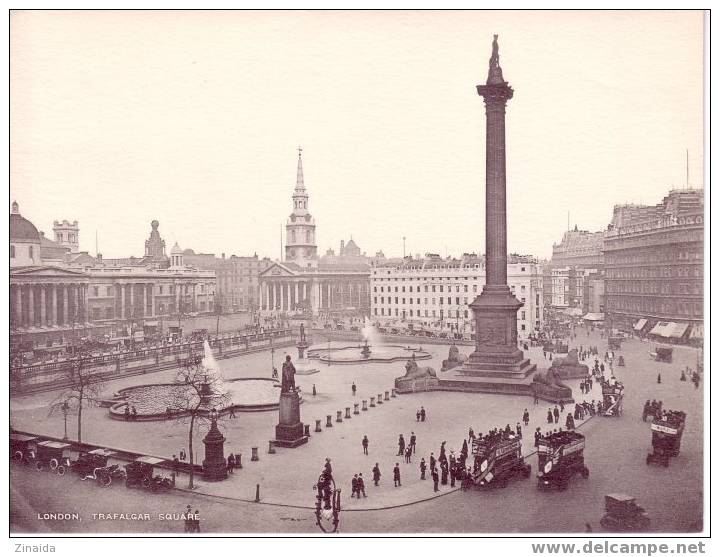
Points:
(68, 297)
(654, 265)
(437, 292)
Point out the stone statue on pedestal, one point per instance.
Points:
(288, 376)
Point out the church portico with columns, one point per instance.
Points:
(287, 287)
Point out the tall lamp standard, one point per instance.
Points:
(65, 408)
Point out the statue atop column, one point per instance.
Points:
(495, 71)
(288, 376)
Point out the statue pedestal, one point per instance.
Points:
(214, 466)
(290, 431)
(301, 347)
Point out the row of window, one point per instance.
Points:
(432, 300)
(433, 313)
(656, 307)
(654, 272)
(439, 287)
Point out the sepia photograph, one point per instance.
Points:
(358, 272)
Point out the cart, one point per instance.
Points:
(54, 456)
(612, 404)
(23, 448)
(622, 514)
(496, 463)
(139, 473)
(666, 436)
(615, 342)
(560, 457)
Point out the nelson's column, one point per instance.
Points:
(497, 365)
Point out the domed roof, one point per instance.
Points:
(21, 228)
(176, 250)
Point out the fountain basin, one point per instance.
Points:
(153, 400)
(354, 354)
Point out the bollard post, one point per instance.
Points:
(329, 421)
(257, 493)
(356, 411)
(347, 413)
(379, 398)
(387, 395)
(314, 391)
(317, 426)
(271, 447)
(254, 456)
(393, 394)
(364, 405)
(339, 416)
(307, 430)
(372, 402)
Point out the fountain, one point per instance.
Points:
(365, 350)
(154, 401)
(371, 351)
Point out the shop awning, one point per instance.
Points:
(659, 328)
(640, 324)
(696, 331)
(594, 317)
(150, 324)
(676, 330)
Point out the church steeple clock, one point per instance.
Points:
(300, 246)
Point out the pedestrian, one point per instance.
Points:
(232, 412)
(183, 456)
(396, 475)
(549, 416)
(423, 467)
(376, 474)
(133, 410)
(401, 445)
(471, 434)
(536, 400)
(360, 486)
(562, 406)
(413, 440)
(435, 480)
(526, 417)
(538, 435)
(365, 443)
(231, 463)
(659, 380)
(518, 429)
(569, 422)
(556, 414)
(453, 472)
(354, 388)
(444, 473)
(408, 454)
(417, 416)
(355, 486)
(422, 413)
(127, 412)
(433, 462)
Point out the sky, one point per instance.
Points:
(194, 118)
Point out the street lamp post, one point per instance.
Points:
(65, 407)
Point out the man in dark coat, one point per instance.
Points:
(423, 467)
(549, 416)
(433, 462)
(413, 440)
(422, 413)
(396, 475)
(408, 454)
(365, 443)
(556, 414)
(376, 474)
(361, 486)
(401, 445)
(355, 486)
(435, 479)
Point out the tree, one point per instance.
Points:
(189, 405)
(85, 388)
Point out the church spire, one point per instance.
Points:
(300, 181)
